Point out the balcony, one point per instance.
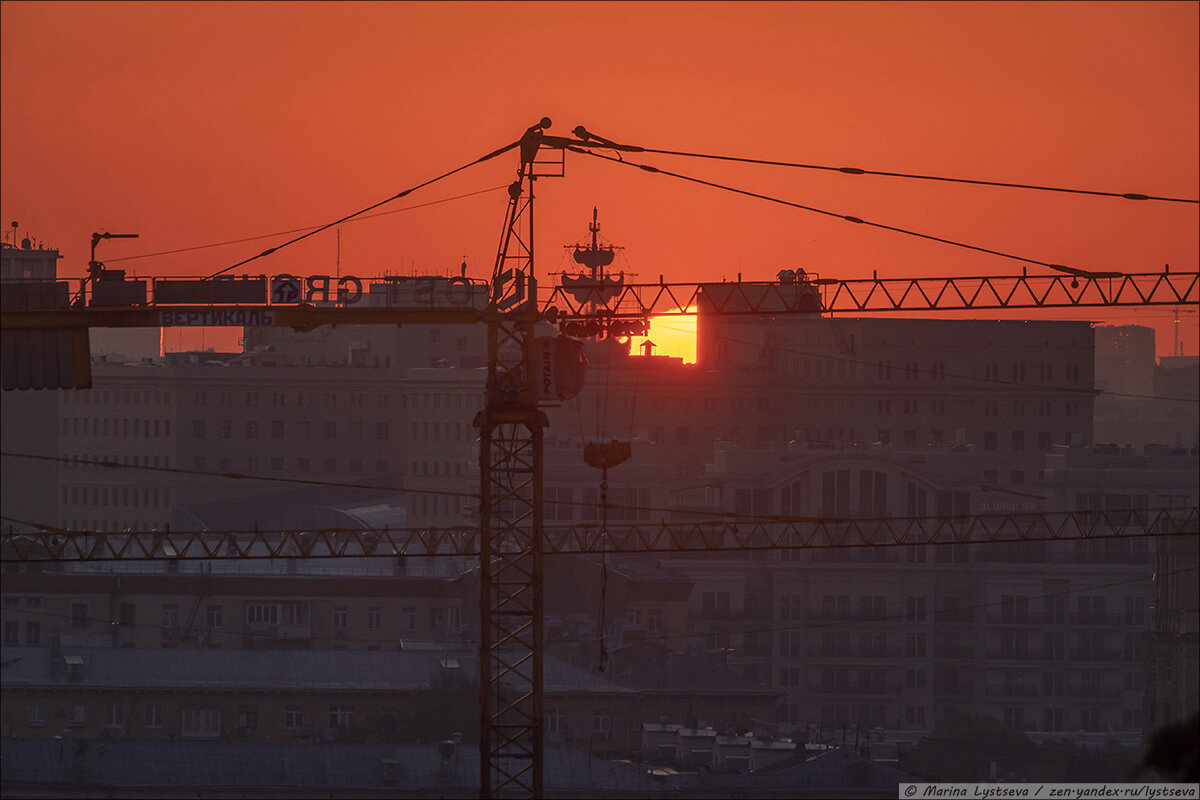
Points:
(1094, 692)
(1011, 655)
(1019, 619)
(953, 651)
(1104, 620)
(1026, 692)
(1095, 655)
(817, 651)
(298, 633)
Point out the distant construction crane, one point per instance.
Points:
(526, 373)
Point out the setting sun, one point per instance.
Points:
(672, 335)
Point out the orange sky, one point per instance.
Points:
(195, 123)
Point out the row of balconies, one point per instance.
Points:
(1074, 692)
(1074, 655)
(1105, 620)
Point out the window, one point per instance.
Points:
(915, 679)
(1018, 440)
(293, 717)
(35, 715)
(277, 429)
(215, 616)
(112, 716)
(601, 724)
(556, 721)
(340, 617)
(154, 717)
(251, 429)
(225, 431)
(714, 605)
(78, 715)
(79, 616)
(341, 716)
(199, 430)
(374, 617)
(835, 493)
(1135, 610)
(262, 614)
(989, 440)
(12, 632)
(247, 717)
(329, 429)
(915, 609)
(295, 614)
(872, 493)
(170, 616)
(201, 723)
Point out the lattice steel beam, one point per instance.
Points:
(877, 295)
(666, 537)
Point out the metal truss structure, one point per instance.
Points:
(638, 301)
(663, 537)
(880, 295)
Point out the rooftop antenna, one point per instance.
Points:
(14, 232)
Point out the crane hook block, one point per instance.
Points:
(606, 456)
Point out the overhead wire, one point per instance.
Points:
(836, 215)
(313, 228)
(371, 207)
(719, 516)
(916, 176)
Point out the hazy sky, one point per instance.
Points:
(197, 123)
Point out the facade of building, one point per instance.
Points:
(787, 417)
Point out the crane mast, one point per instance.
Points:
(510, 469)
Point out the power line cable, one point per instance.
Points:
(371, 207)
(232, 475)
(915, 176)
(301, 230)
(848, 218)
(732, 516)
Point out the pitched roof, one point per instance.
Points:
(275, 670)
(678, 673)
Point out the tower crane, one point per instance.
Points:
(526, 372)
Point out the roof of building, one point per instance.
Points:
(270, 670)
(331, 765)
(310, 508)
(688, 674)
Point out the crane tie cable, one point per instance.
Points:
(371, 207)
(914, 176)
(846, 217)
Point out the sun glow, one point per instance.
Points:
(672, 335)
